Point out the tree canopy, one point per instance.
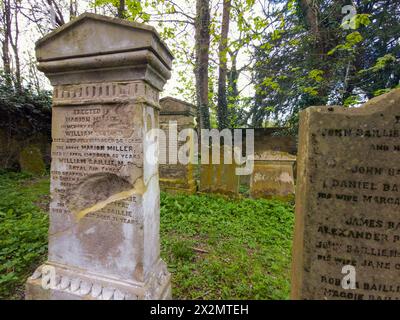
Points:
(242, 62)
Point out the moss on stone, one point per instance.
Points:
(31, 160)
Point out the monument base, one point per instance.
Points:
(272, 180)
(175, 186)
(57, 282)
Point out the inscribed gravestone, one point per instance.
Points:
(273, 168)
(177, 177)
(348, 201)
(104, 213)
(31, 160)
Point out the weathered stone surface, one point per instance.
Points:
(265, 145)
(348, 200)
(104, 213)
(177, 177)
(269, 140)
(123, 50)
(273, 176)
(219, 178)
(31, 160)
(23, 126)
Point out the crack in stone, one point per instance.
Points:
(138, 189)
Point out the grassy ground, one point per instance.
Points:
(215, 247)
(23, 230)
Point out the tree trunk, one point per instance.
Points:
(222, 107)
(56, 11)
(311, 12)
(202, 39)
(6, 40)
(121, 9)
(14, 44)
(233, 91)
(73, 9)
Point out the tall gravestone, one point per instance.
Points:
(177, 177)
(104, 213)
(348, 201)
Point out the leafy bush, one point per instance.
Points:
(11, 98)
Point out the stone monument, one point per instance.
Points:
(273, 174)
(220, 177)
(177, 177)
(347, 229)
(104, 214)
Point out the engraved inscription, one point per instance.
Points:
(98, 151)
(349, 202)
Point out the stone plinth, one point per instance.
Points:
(273, 176)
(346, 243)
(177, 177)
(219, 178)
(104, 213)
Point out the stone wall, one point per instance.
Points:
(24, 128)
(219, 177)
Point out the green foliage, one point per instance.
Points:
(362, 20)
(351, 101)
(316, 75)
(314, 60)
(381, 63)
(134, 9)
(9, 96)
(23, 229)
(219, 248)
(352, 40)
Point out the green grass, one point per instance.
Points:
(219, 248)
(215, 247)
(23, 230)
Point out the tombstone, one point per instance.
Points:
(31, 160)
(219, 177)
(262, 141)
(104, 214)
(273, 174)
(346, 243)
(177, 177)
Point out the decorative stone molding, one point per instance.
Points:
(109, 92)
(91, 287)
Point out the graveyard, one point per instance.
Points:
(206, 235)
(227, 150)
